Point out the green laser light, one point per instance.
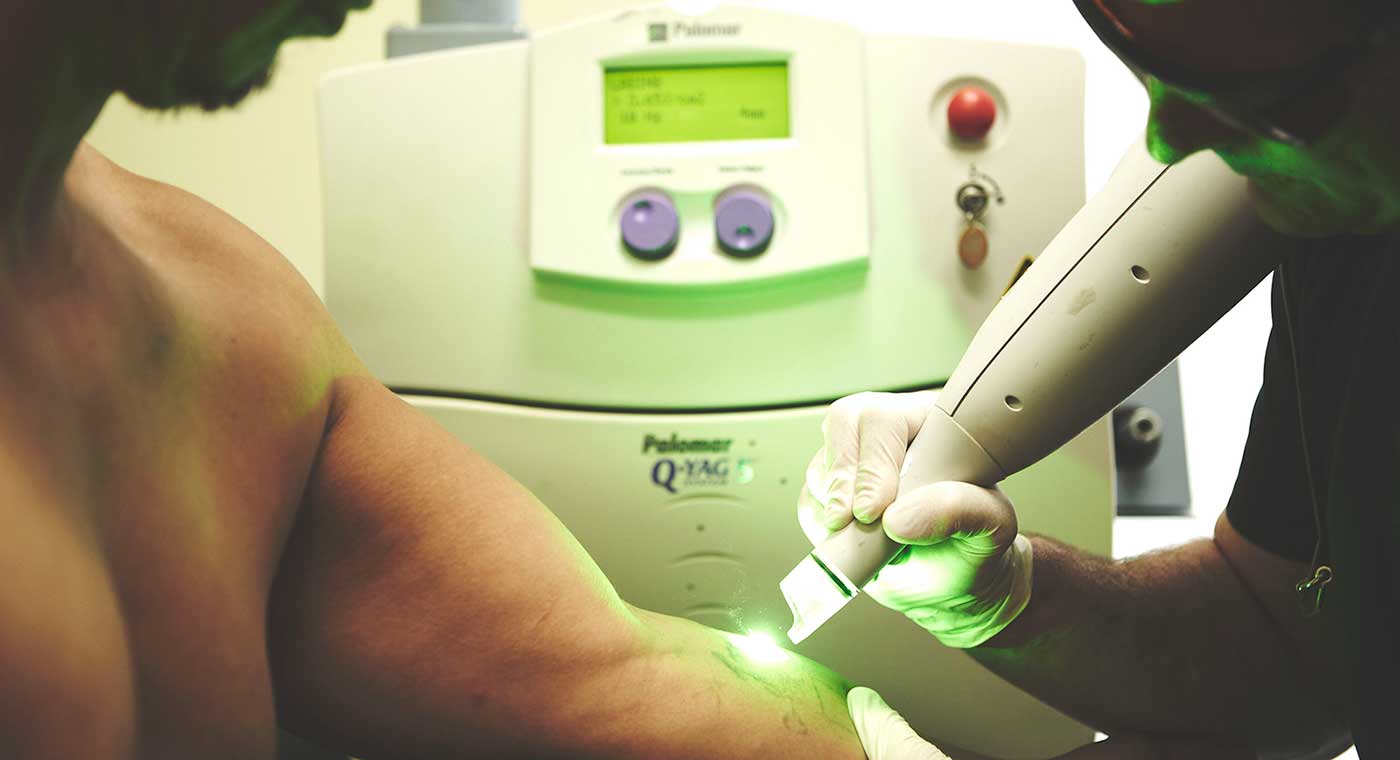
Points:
(759, 647)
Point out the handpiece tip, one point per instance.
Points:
(813, 595)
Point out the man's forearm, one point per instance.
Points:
(1170, 643)
(710, 694)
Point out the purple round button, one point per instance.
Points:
(650, 225)
(743, 223)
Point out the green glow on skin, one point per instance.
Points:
(760, 648)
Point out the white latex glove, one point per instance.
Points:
(968, 574)
(883, 732)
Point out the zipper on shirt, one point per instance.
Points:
(1310, 589)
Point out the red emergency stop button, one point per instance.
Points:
(971, 113)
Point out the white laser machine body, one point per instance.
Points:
(1144, 268)
(659, 382)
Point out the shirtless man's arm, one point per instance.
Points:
(207, 506)
(418, 602)
(423, 605)
(428, 605)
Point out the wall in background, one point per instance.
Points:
(257, 161)
(260, 163)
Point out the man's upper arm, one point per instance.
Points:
(417, 562)
(429, 605)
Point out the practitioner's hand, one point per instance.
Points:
(968, 574)
(883, 732)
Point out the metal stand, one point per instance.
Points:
(1149, 443)
(446, 24)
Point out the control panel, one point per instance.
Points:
(699, 151)
(660, 211)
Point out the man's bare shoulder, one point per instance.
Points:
(184, 235)
(224, 280)
(169, 381)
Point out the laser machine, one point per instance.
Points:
(632, 260)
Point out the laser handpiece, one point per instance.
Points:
(1146, 266)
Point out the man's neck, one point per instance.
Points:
(50, 102)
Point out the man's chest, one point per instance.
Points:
(171, 403)
(188, 498)
(192, 536)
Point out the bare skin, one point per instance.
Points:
(160, 424)
(1212, 626)
(216, 516)
(213, 520)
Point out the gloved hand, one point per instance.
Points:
(968, 574)
(883, 732)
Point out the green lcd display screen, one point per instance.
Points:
(693, 103)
